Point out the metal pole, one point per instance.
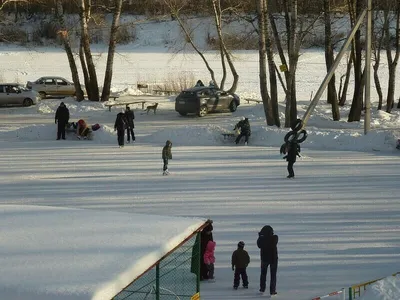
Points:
(367, 117)
(328, 76)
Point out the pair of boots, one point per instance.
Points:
(166, 172)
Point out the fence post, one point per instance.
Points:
(350, 293)
(158, 281)
(343, 293)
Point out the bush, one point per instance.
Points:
(12, 34)
(124, 36)
(244, 41)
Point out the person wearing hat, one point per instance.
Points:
(61, 119)
(166, 155)
(240, 261)
(119, 126)
(267, 242)
(245, 131)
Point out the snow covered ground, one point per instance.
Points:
(338, 221)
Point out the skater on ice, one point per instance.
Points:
(245, 131)
(61, 119)
(292, 151)
(240, 261)
(129, 116)
(166, 155)
(119, 126)
(268, 243)
(209, 258)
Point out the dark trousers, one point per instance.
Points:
(61, 130)
(246, 138)
(121, 136)
(290, 168)
(129, 133)
(263, 278)
(165, 167)
(240, 272)
(210, 269)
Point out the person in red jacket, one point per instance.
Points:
(209, 258)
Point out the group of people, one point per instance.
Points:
(267, 242)
(124, 121)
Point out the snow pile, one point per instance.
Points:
(385, 289)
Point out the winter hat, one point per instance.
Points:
(62, 104)
(241, 244)
(243, 118)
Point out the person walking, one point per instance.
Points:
(129, 116)
(245, 131)
(240, 261)
(119, 126)
(209, 258)
(61, 119)
(292, 150)
(268, 243)
(166, 155)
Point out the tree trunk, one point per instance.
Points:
(111, 50)
(85, 72)
(343, 94)
(93, 84)
(218, 24)
(356, 105)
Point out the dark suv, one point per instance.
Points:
(201, 100)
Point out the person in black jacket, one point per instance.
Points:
(119, 126)
(129, 116)
(244, 131)
(240, 261)
(292, 150)
(61, 119)
(267, 242)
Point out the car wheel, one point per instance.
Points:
(233, 106)
(42, 95)
(182, 113)
(203, 111)
(27, 102)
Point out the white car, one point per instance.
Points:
(52, 86)
(14, 93)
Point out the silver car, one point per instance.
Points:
(14, 93)
(52, 86)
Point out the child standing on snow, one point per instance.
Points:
(166, 155)
(292, 150)
(209, 258)
(240, 261)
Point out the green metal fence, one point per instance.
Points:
(175, 277)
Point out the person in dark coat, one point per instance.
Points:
(206, 236)
(61, 119)
(245, 131)
(268, 243)
(130, 116)
(199, 83)
(240, 261)
(119, 126)
(166, 155)
(292, 150)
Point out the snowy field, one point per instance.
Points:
(338, 221)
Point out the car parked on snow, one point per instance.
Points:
(204, 99)
(16, 94)
(52, 86)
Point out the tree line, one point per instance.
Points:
(281, 26)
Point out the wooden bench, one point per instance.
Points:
(228, 135)
(253, 100)
(165, 92)
(124, 103)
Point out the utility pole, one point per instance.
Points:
(367, 116)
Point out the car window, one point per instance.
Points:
(61, 82)
(1, 88)
(205, 93)
(12, 89)
(49, 81)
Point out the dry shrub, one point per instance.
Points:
(243, 41)
(176, 82)
(13, 34)
(124, 36)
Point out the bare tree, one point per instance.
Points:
(329, 59)
(111, 50)
(377, 42)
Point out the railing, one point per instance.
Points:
(342, 291)
(356, 290)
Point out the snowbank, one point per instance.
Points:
(385, 289)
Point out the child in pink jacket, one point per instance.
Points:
(209, 258)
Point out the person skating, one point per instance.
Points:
(119, 126)
(268, 243)
(130, 116)
(292, 150)
(61, 119)
(245, 131)
(209, 258)
(166, 155)
(240, 261)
